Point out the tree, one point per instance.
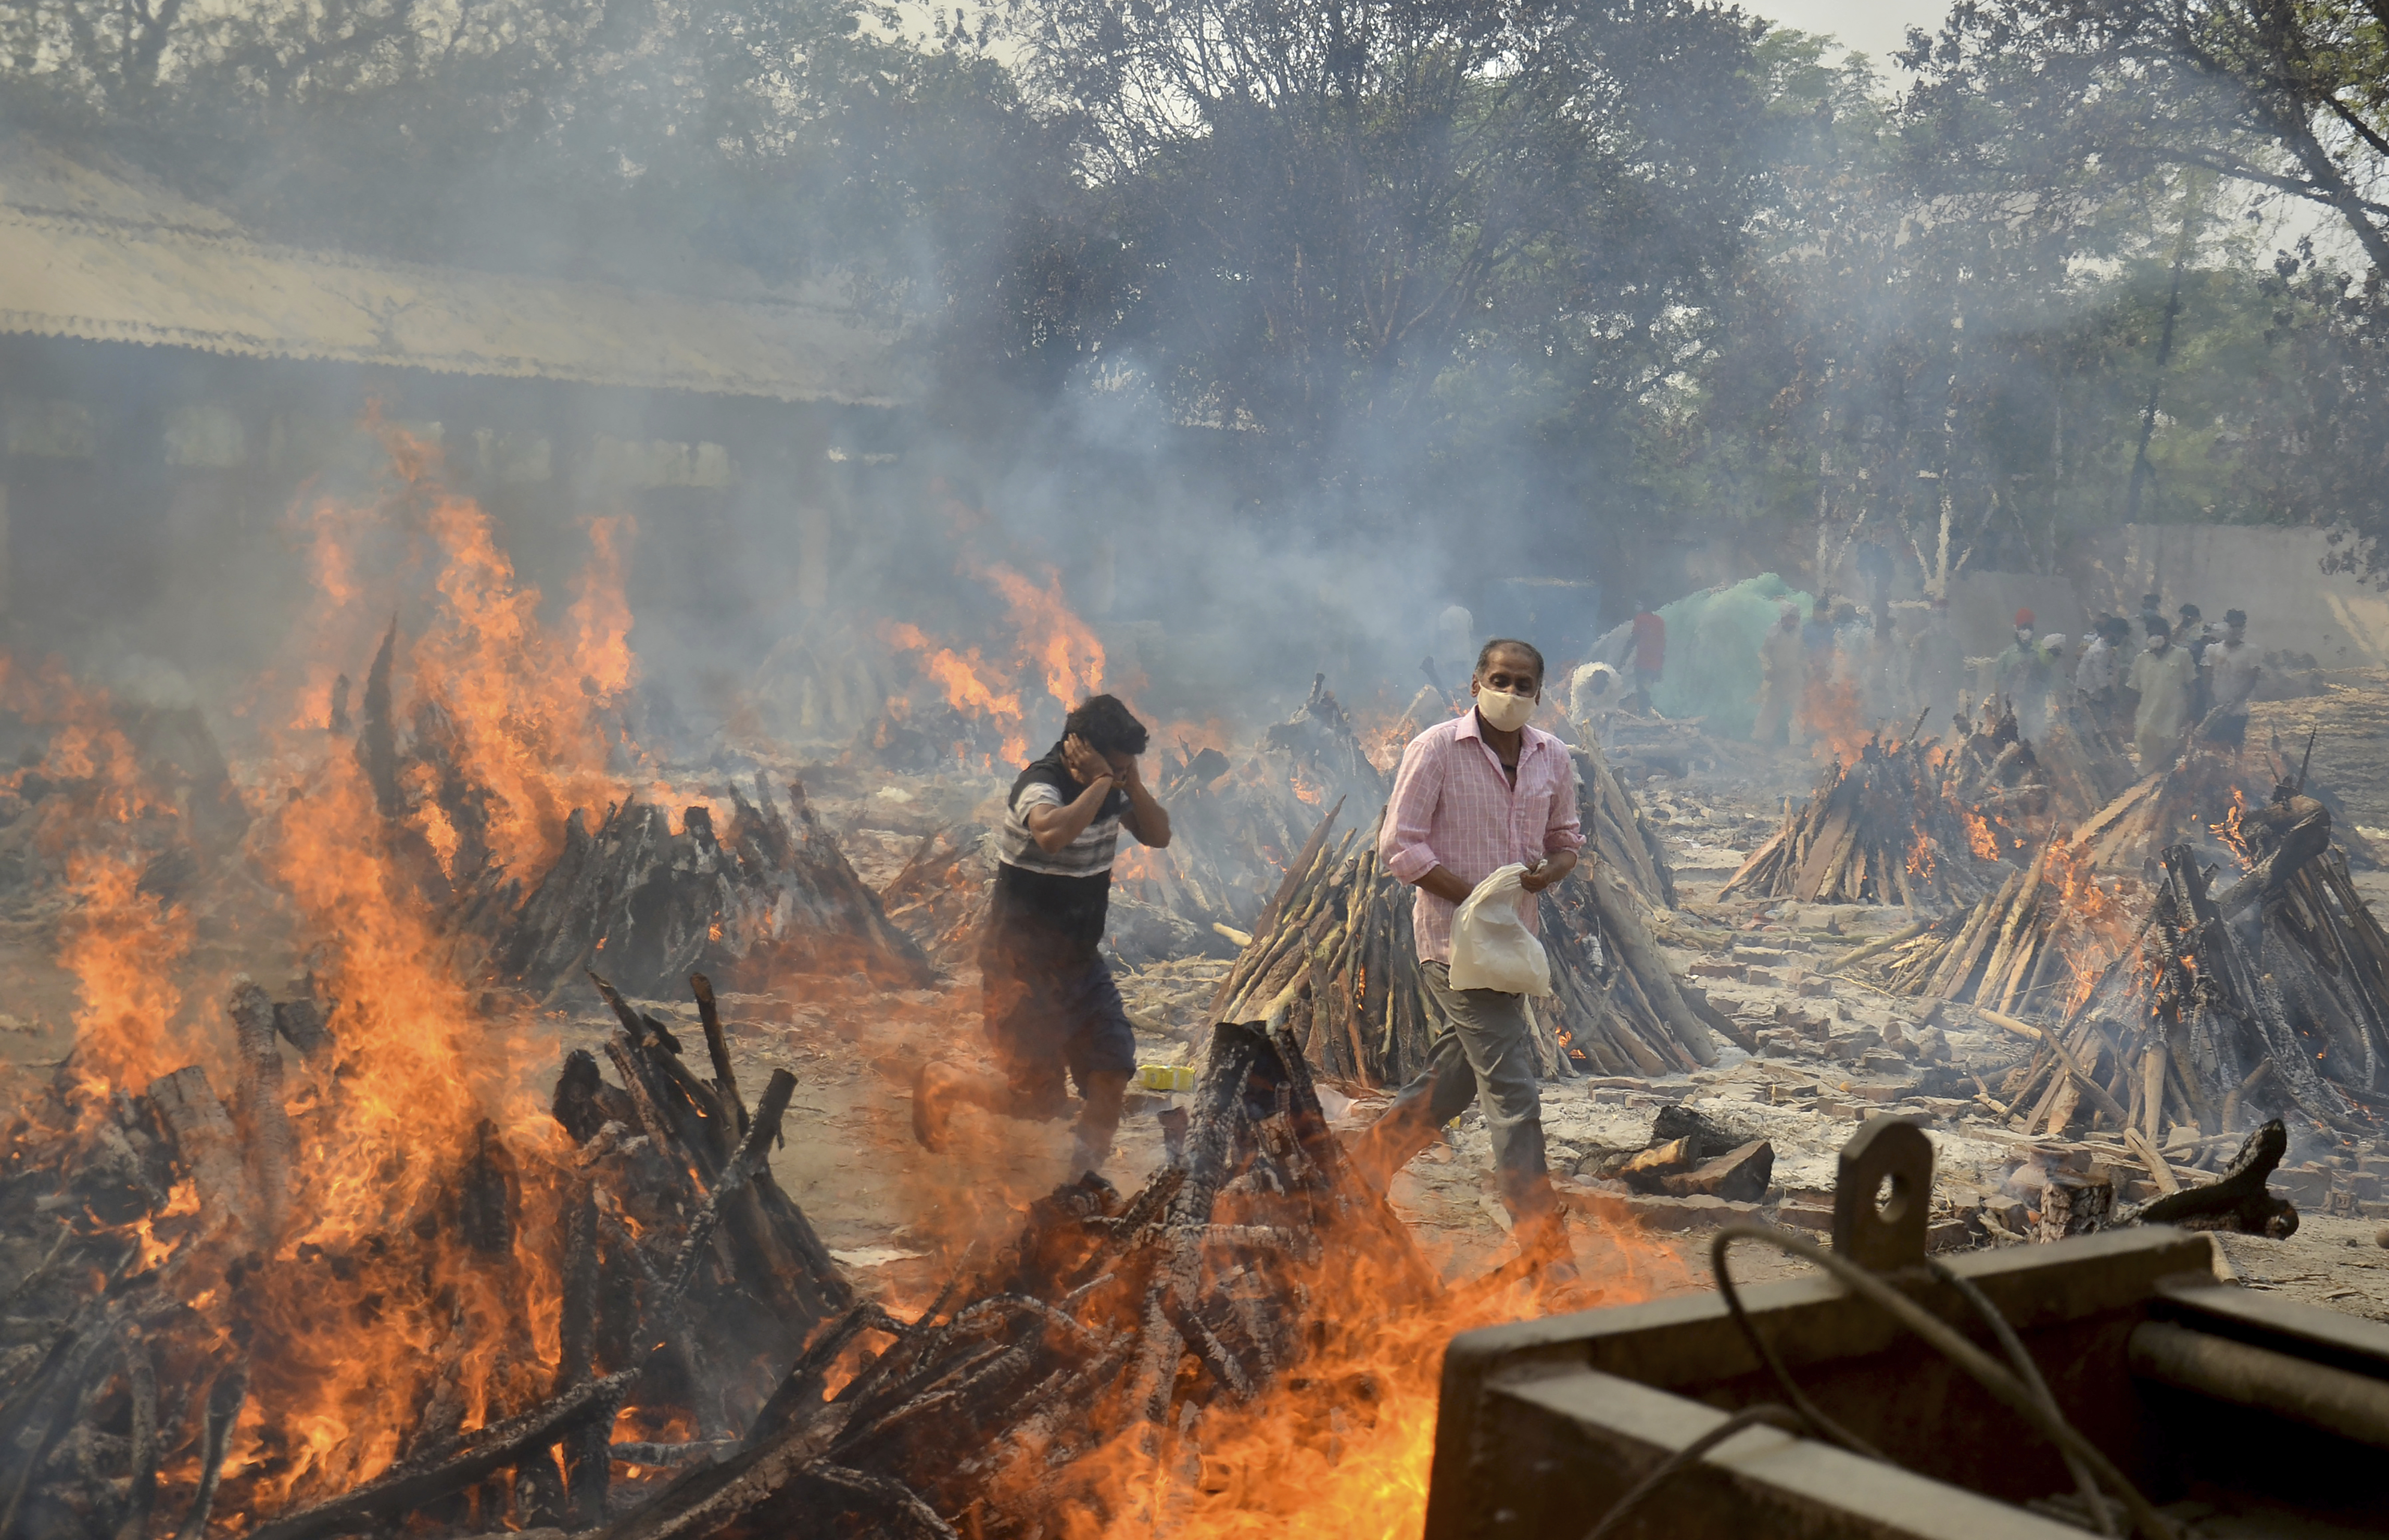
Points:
(2284, 94)
(1346, 223)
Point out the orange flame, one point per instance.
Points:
(601, 613)
(372, 1291)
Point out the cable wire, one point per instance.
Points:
(2021, 1387)
(2003, 1383)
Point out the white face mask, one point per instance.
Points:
(1506, 711)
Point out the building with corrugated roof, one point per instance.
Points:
(170, 384)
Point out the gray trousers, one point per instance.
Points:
(1485, 1051)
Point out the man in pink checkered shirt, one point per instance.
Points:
(1475, 794)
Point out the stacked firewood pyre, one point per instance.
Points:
(2074, 768)
(1110, 1326)
(164, 1310)
(1884, 827)
(764, 893)
(1334, 955)
(2270, 995)
(767, 893)
(2028, 947)
(1237, 826)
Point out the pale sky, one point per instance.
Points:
(1874, 27)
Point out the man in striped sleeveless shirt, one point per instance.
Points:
(1048, 999)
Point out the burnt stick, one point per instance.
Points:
(497, 1445)
(141, 1383)
(750, 1157)
(717, 1044)
(225, 1399)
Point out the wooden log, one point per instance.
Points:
(1957, 965)
(1994, 973)
(32, 1421)
(1875, 948)
(271, 1148)
(2098, 1093)
(141, 1392)
(2239, 1200)
(489, 1449)
(205, 1140)
(1839, 828)
(2159, 1172)
(225, 1399)
(741, 1169)
(717, 1045)
(586, 1468)
(1650, 968)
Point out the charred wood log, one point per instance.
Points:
(2239, 1200)
(490, 1449)
(209, 1149)
(225, 1399)
(141, 1385)
(377, 736)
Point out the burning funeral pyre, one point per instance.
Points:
(2270, 995)
(1882, 827)
(764, 893)
(626, 1289)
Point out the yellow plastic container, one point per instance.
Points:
(1165, 1077)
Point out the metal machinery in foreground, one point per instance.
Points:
(2231, 1413)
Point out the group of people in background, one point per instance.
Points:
(2190, 676)
(2160, 682)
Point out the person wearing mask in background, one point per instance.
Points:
(2162, 676)
(2190, 635)
(1048, 1002)
(1874, 568)
(2152, 610)
(2023, 673)
(2100, 672)
(1852, 654)
(2232, 670)
(1476, 794)
(1649, 651)
(1783, 673)
(1937, 669)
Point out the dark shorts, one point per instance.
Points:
(2227, 727)
(1040, 1021)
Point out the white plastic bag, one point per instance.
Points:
(1492, 947)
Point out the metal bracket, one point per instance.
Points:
(1882, 1193)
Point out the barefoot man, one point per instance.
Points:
(1048, 1003)
(1475, 794)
